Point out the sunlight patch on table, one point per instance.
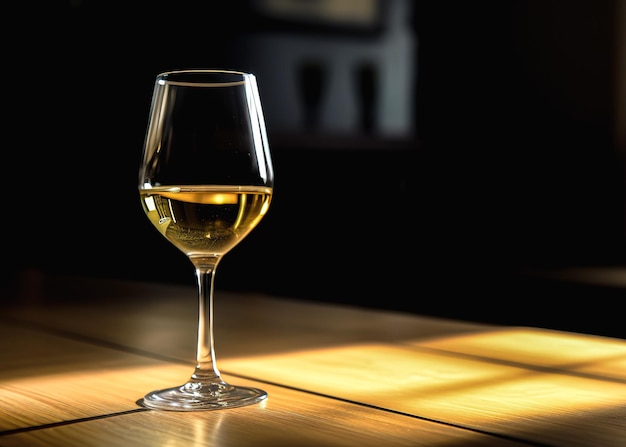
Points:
(540, 347)
(434, 385)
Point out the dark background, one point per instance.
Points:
(511, 166)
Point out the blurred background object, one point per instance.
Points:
(342, 37)
(463, 145)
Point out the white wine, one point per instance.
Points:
(206, 130)
(205, 220)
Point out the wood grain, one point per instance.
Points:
(79, 352)
(287, 418)
(59, 391)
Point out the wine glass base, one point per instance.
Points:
(194, 396)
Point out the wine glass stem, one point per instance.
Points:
(206, 368)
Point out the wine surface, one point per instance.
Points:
(205, 220)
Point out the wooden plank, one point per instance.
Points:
(554, 388)
(559, 409)
(286, 418)
(48, 379)
(59, 391)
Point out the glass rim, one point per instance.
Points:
(203, 77)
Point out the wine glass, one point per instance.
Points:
(205, 181)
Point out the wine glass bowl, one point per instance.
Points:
(205, 182)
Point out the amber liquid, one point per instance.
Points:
(205, 220)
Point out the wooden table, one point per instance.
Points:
(77, 354)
